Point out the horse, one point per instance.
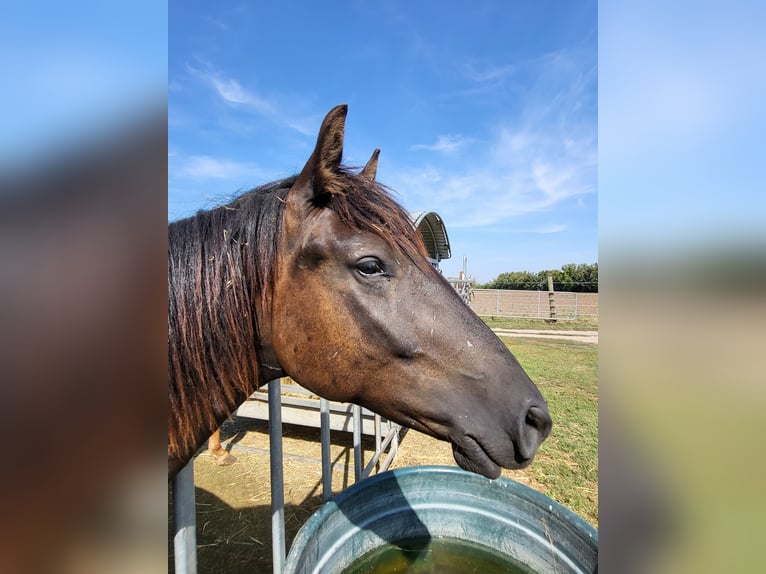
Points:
(322, 277)
(222, 456)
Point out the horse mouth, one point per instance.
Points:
(472, 456)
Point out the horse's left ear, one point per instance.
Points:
(371, 169)
(322, 170)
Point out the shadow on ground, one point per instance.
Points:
(233, 509)
(238, 540)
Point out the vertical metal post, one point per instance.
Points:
(394, 448)
(378, 435)
(358, 463)
(185, 521)
(324, 417)
(277, 476)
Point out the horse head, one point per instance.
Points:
(358, 314)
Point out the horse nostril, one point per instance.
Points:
(539, 419)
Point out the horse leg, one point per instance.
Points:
(222, 456)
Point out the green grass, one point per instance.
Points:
(566, 465)
(582, 324)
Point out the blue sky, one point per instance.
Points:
(681, 126)
(485, 112)
(76, 70)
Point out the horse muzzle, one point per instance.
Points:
(476, 452)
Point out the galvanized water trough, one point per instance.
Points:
(411, 507)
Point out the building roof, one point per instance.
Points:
(433, 232)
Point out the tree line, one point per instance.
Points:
(581, 277)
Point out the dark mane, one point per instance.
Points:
(219, 267)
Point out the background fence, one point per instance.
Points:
(533, 304)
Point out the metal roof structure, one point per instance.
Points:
(434, 234)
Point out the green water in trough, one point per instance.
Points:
(436, 555)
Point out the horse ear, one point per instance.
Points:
(371, 169)
(322, 170)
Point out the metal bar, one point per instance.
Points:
(393, 451)
(324, 415)
(388, 460)
(277, 477)
(376, 456)
(378, 432)
(357, 410)
(184, 521)
(305, 412)
(393, 433)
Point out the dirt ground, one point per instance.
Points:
(579, 336)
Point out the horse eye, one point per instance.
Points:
(370, 266)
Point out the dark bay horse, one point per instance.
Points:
(322, 277)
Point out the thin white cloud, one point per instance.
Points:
(542, 229)
(235, 95)
(232, 92)
(203, 167)
(218, 24)
(204, 181)
(515, 173)
(488, 74)
(546, 229)
(539, 159)
(444, 144)
(554, 181)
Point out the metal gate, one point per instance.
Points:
(273, 406)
